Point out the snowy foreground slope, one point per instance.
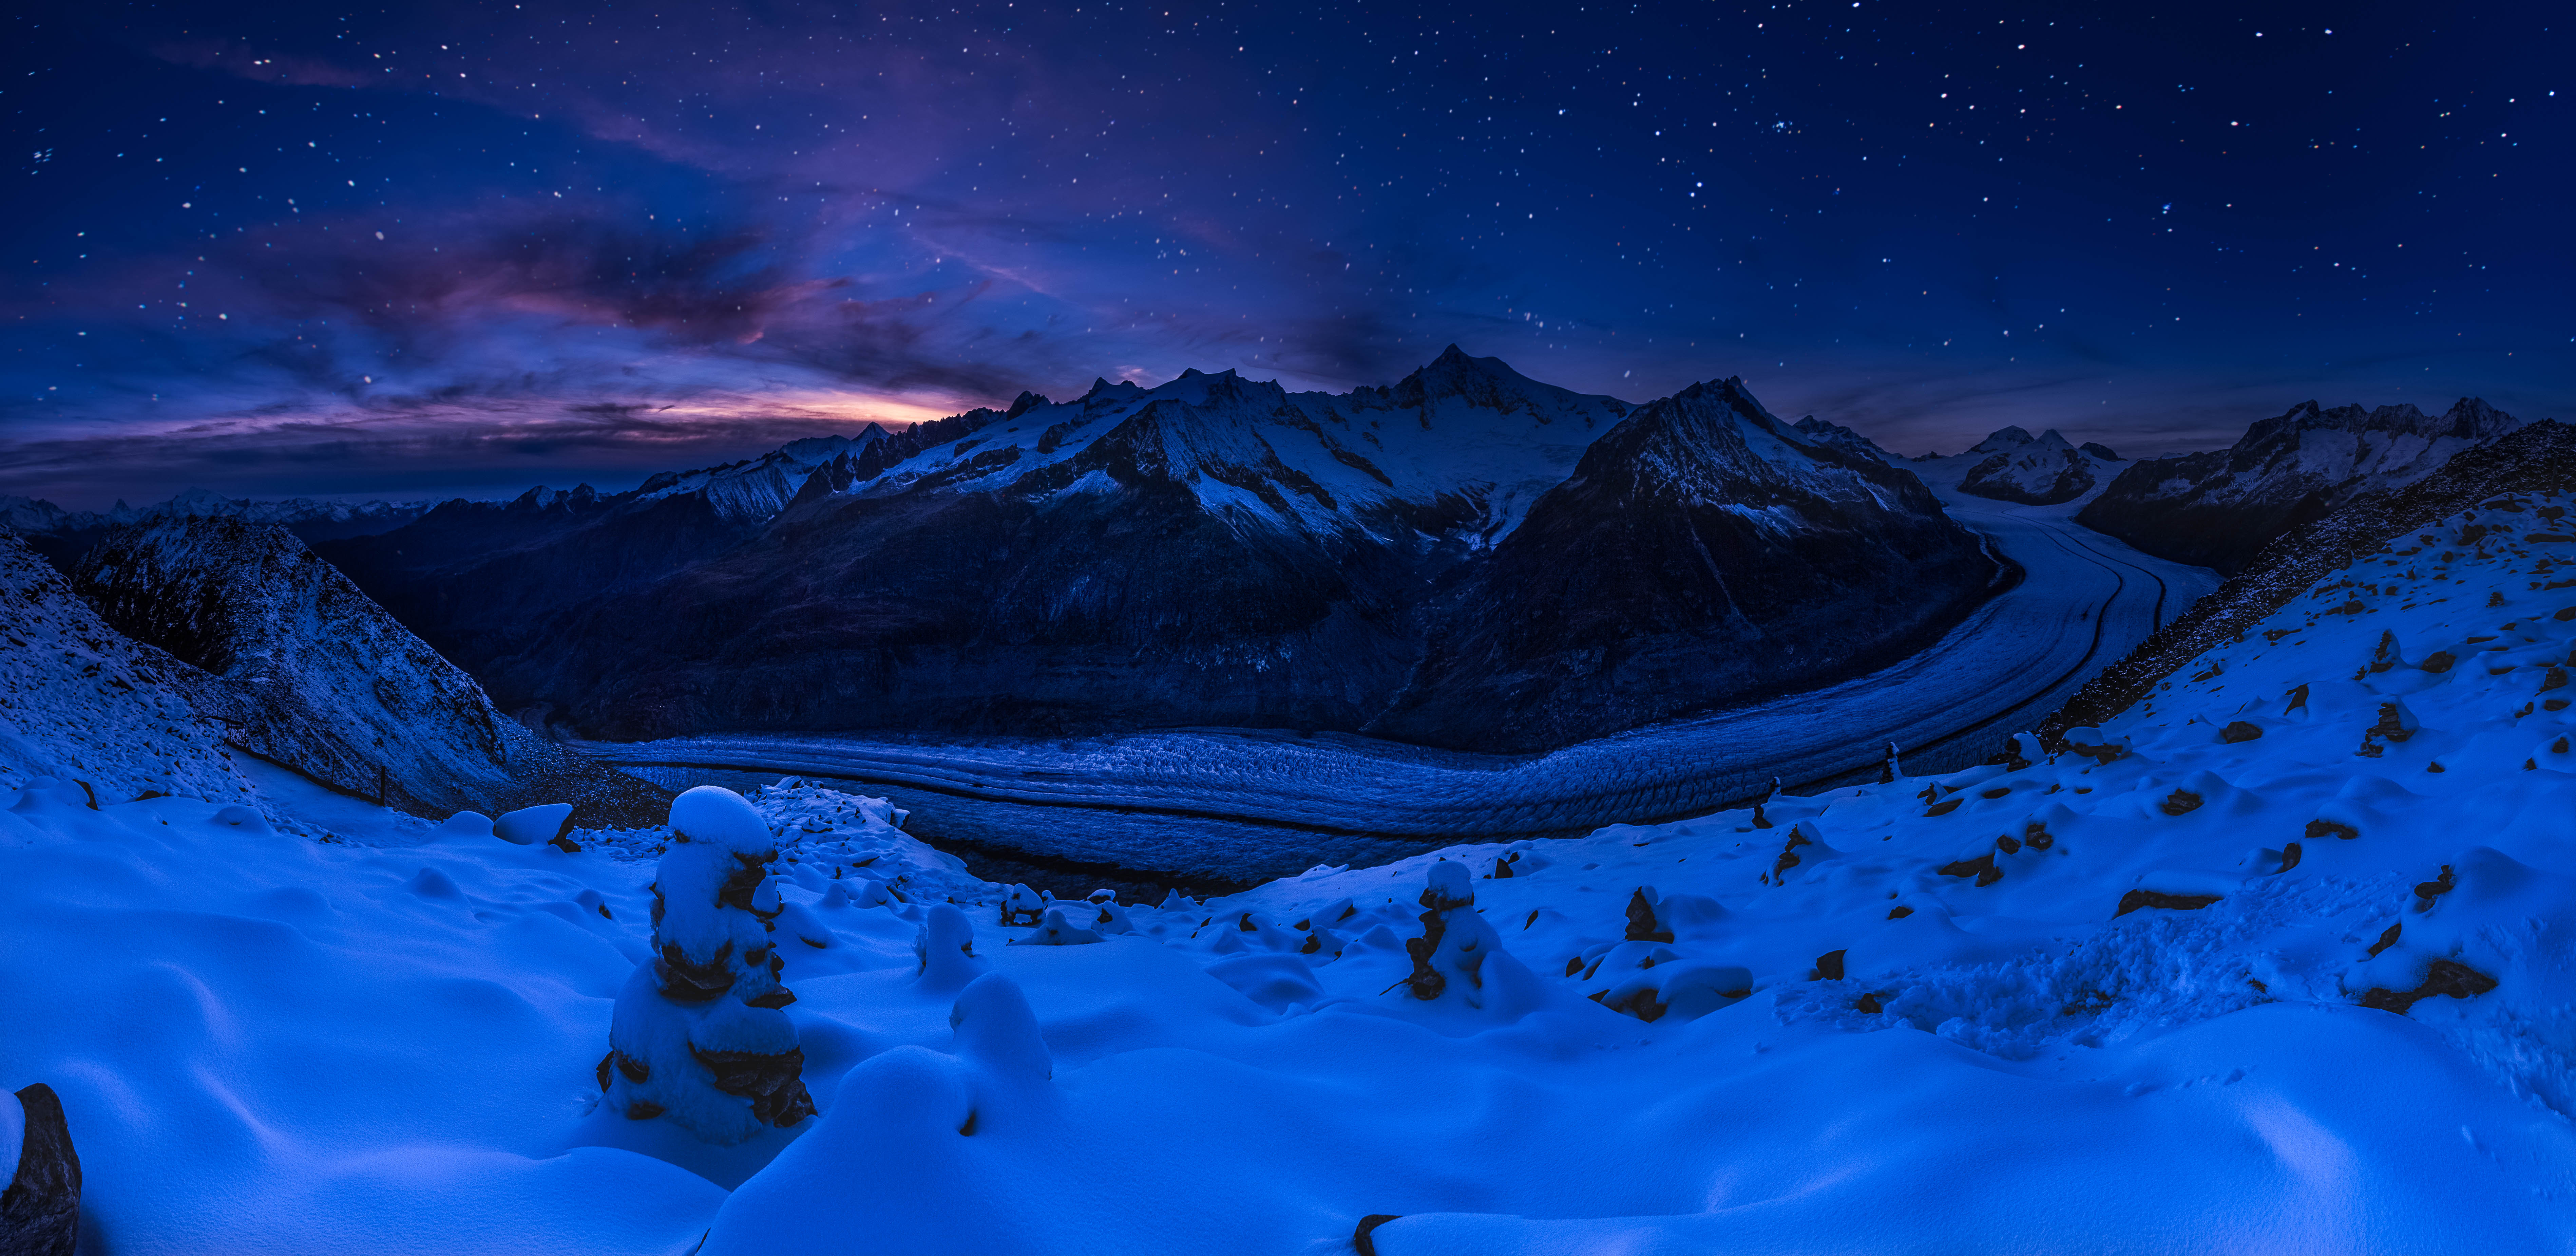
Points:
(2277, 959)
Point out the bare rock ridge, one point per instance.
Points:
(1213, 550)
(300, 667)
(2217, 509)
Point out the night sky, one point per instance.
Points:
(444, 249)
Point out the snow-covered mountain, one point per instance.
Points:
(2011, 465)
(1213, 550)
(2218, 508)
(2033, 471)
(1702, 550)
(1820, 432)
(301, 668)
(82, 704)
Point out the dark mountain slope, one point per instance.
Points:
(1702, 552)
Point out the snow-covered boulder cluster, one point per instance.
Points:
(699, 1037)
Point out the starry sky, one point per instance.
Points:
(462, 248)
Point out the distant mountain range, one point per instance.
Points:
(2217, 509)
(63, 535)
(1465, 558)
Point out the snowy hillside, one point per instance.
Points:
(2216, 509)
(82, 704)
(2272, 959)
(304, 670)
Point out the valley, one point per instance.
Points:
(1221, 806)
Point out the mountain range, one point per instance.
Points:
(1465, 558)
(2217, 509)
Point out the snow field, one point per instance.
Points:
(2143, 999)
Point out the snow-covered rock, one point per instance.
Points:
(2217, 509)
(2040, 472)
(698, 1036)
(81, 703)
(302, 669)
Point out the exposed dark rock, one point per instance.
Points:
(2240, 730)
(2135, 899)
(1360, 1240)
(2101, 451)
(1425, 981)
(40, 1207)
(1643, 922)
(1829, 966)
(773, 1082)
(2387, 938)
(2445, 976)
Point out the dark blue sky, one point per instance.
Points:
(462, 248)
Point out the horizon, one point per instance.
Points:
(629, 479)
(295, 252)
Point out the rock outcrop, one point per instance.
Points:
(299, 667)
(82, 704)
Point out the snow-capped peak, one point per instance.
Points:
(2006, 439)
(1470, 434)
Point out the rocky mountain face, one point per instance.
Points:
(1818, 431)
(477, 578)
(2217, 509)
(81, 703)
(2034, 471)
(61, 536)
(1702, 551)
(1213, 551)
(300, 667)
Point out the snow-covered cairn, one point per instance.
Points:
(1459, 959)
(698, 1035)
